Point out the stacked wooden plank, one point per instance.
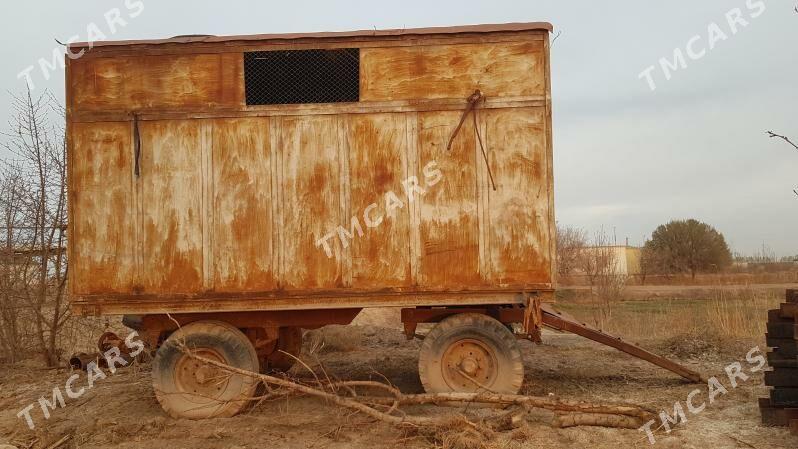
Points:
(781, 407)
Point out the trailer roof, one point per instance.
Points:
(485, 28)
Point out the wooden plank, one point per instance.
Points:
(782, 330)
(242, 212)
(208, 243)
(784, 397)
(312, 44)
(362, 107)
(344, 193)
(102, 226)
(787, 344)
(118, 304)
(550, 157)
(415, 209)
(775, 416)
(770, 415)
(777, 316)
(378, 165)
(483, 206)
(311, 201)
(449, 220)
(789, 310)
(71, 287)
(792, 296)
(452, 71)
(172, 189)
(518, 210)
(276, 177)
(786, 354)
(148, 83)
(782, 377)
(783, 363)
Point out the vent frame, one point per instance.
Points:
(292, 77)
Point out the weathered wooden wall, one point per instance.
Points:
(513, 69)
(233, 199)
(156, 83)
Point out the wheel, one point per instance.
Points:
(470, 353)
(188, 388)
(290, 341)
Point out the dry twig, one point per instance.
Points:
(773, 135)
(569, 413)
(60, 442)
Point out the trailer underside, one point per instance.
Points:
(264, 327)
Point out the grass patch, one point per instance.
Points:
(684, 327)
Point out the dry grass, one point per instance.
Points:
(708, 279)
(723, 320)
(741, 314)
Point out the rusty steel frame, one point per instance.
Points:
(261, 327)
(146, 304)
(551, 318)
(563, 322)
(412, 317)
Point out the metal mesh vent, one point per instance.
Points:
(302, 76)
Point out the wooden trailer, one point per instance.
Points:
(244, 188)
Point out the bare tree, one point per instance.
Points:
(571, 241)
(601, 264)
(12, 192)
(35, 217)
(598, 258)
(773, 135)
(651, 262)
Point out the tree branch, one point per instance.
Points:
(567, 413)
(773, 135)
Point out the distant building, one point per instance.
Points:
(626, 258)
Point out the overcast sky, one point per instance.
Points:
(627, 157)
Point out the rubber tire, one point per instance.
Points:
(495, 335)
(227, 341)
(290, 341)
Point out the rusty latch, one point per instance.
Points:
(533, 319)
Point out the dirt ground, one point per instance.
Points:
(121, 411)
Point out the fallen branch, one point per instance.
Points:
(596, 420)
(551, 404)
(570, 413)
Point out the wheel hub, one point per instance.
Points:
(469, 365)
(205, 374)
(200, 378)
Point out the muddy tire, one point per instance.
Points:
(470, 353)
(187, 388)
(290, 341)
